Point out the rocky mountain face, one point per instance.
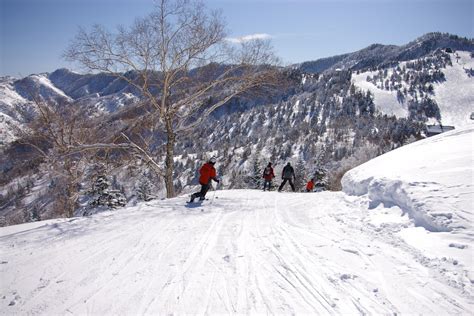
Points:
(334, 117)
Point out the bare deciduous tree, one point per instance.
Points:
(55, 133)
(180, 61)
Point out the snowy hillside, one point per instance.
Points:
(13, 108)
(453, 96)
(99, 93)
(246, 251)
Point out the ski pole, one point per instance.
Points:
(214, 194)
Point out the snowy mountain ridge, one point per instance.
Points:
(377, 55)
(99, 94)
(247, 251)
(103, 94)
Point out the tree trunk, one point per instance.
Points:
(169, 162)
(71, 189)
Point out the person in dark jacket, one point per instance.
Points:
(268, 175)
(207, 173)
(288, 174)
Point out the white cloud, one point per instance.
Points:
(249, 37)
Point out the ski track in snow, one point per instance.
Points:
(245, 252)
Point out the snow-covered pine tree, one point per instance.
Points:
(100, 185)
(103, 196)
(144, 189)
(301, 175)
(34, 214)
(239, 180)
(320, 179)
(256, 181)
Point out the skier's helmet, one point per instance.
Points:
(213, 160)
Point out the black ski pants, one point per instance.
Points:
(267, 183)
(202, 194)
(284, 182)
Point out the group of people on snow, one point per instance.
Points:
(207, 173)
(287, 175)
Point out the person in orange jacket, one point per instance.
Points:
(207, 173)
(310, 186)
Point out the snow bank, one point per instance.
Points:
(430, 180)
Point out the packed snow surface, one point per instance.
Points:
(247, 251)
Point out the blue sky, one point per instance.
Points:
(34, 33)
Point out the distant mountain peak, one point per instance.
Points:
(377, 54)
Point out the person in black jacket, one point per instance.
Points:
(288, 174)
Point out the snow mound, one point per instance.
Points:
(430, 180)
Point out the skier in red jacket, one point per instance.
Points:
(268, 175)
(207, 173)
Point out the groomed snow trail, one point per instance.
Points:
(247, 252)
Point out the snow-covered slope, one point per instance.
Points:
(39, 86)
(7, 126)
(431, 179)
(101, 94)
(246, 251)
(431, 182)
(454, 96)
(14, 109)
(16, 102)
(385, 101)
